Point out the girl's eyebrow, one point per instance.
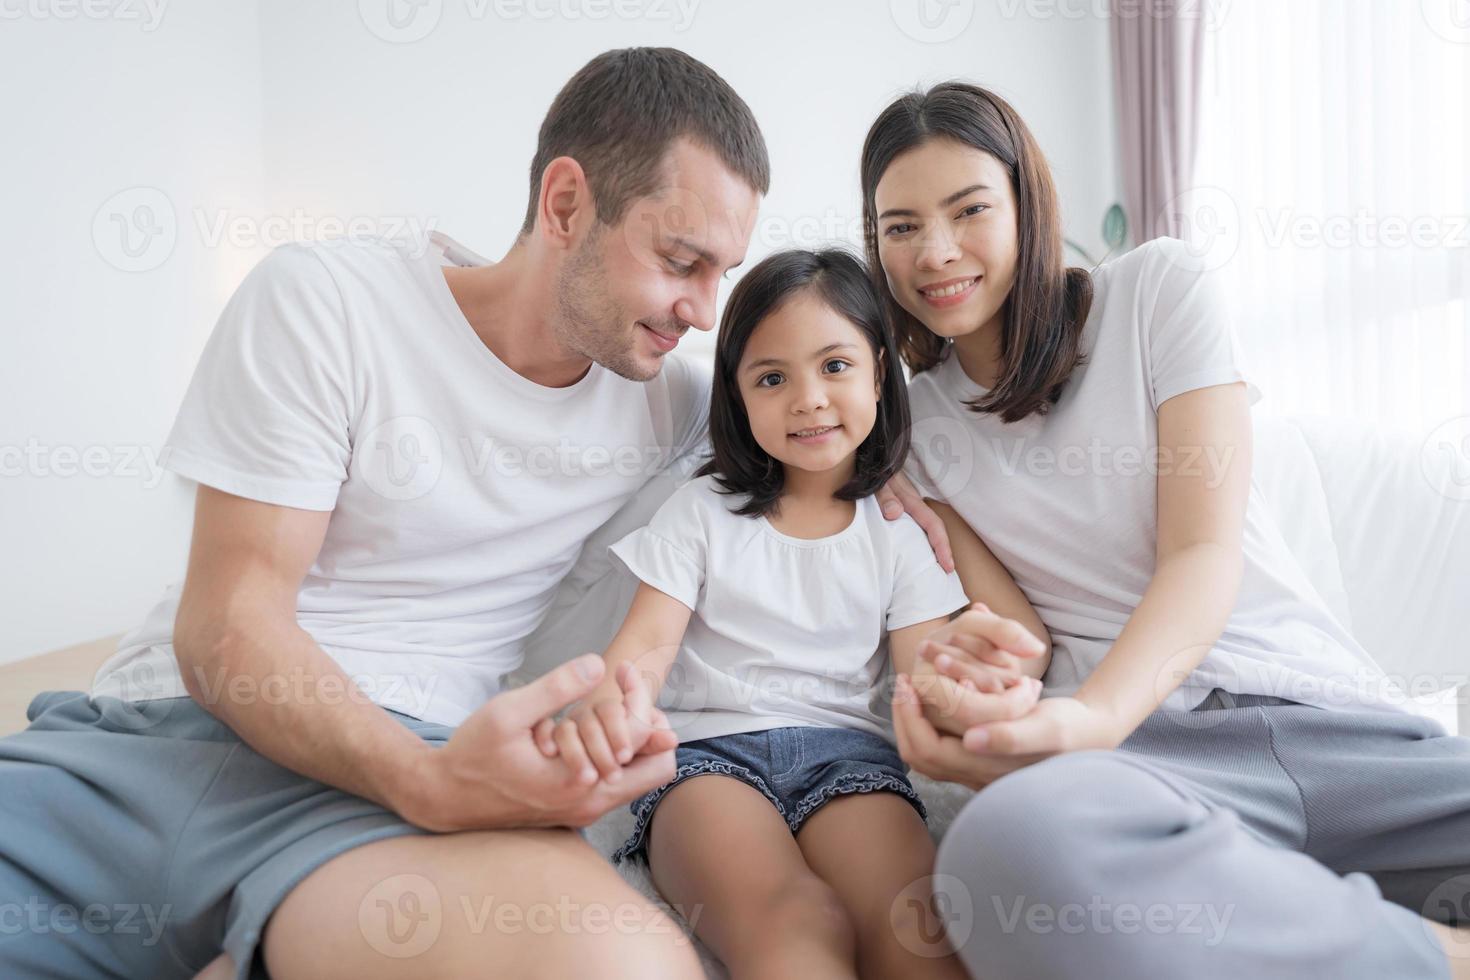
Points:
(952, 199)
(777, 362)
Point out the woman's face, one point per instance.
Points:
(946, 223)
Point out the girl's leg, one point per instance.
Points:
(875, 851)
(724, 857)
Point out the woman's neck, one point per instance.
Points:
(980, 353)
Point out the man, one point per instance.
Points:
(304, 758)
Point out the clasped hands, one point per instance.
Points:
(970, 714)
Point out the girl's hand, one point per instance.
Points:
(607, 729)
(980, 647)
(955, 707)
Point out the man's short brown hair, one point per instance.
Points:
(618, 116)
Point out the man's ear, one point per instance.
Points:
(565, 201)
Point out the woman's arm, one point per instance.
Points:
(1204, 440)
(986, 581)
(1205, 435)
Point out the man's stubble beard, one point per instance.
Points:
(588, 321)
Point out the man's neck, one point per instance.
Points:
(507, 305)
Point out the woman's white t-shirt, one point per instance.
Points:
(786, 631)
(1068, 500)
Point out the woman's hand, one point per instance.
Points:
(991, 750)
(897, 497)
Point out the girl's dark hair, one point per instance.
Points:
(740, 465)
(1040, 339)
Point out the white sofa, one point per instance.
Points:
(1376, 520)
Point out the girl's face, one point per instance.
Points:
(810, 384)
(946, 223)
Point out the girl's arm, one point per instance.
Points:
(986, 581)
(649, 639)
(1206, 435)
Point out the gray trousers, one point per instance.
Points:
(1260, 840)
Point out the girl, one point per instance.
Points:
(768, 582)
(1094, 429)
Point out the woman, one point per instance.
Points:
(1215, 756)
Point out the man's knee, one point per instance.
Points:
(527, 903)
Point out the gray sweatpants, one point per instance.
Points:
(1268, 839)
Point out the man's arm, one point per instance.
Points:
(236, 625)
(237, 620)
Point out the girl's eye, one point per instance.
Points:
(761, 381)
(899, 229)
(973, 210)
(843, 364)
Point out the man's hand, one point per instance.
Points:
(897, 497)
(491, 774)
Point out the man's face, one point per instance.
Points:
(629, 290)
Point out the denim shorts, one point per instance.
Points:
(798, 769)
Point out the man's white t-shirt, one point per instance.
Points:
(343, 377)
(1068, 501)
(785, 631)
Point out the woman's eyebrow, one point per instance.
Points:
(777, 362)
(953, 198)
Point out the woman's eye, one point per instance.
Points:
(761, 381)
(842, 366)
(681, 268)
(892, 230)
(973, 210)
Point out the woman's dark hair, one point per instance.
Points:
(740, 465)
(1040, 339)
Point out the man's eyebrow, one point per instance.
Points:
(953, 198)
(707, 257)
(777, 362)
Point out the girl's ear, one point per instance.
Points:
(882, 374)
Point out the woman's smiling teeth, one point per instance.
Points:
(954, 289)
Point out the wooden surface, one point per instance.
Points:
(62, 670)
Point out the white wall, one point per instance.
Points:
(269, 121)
(104, 118)
(439, 124)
